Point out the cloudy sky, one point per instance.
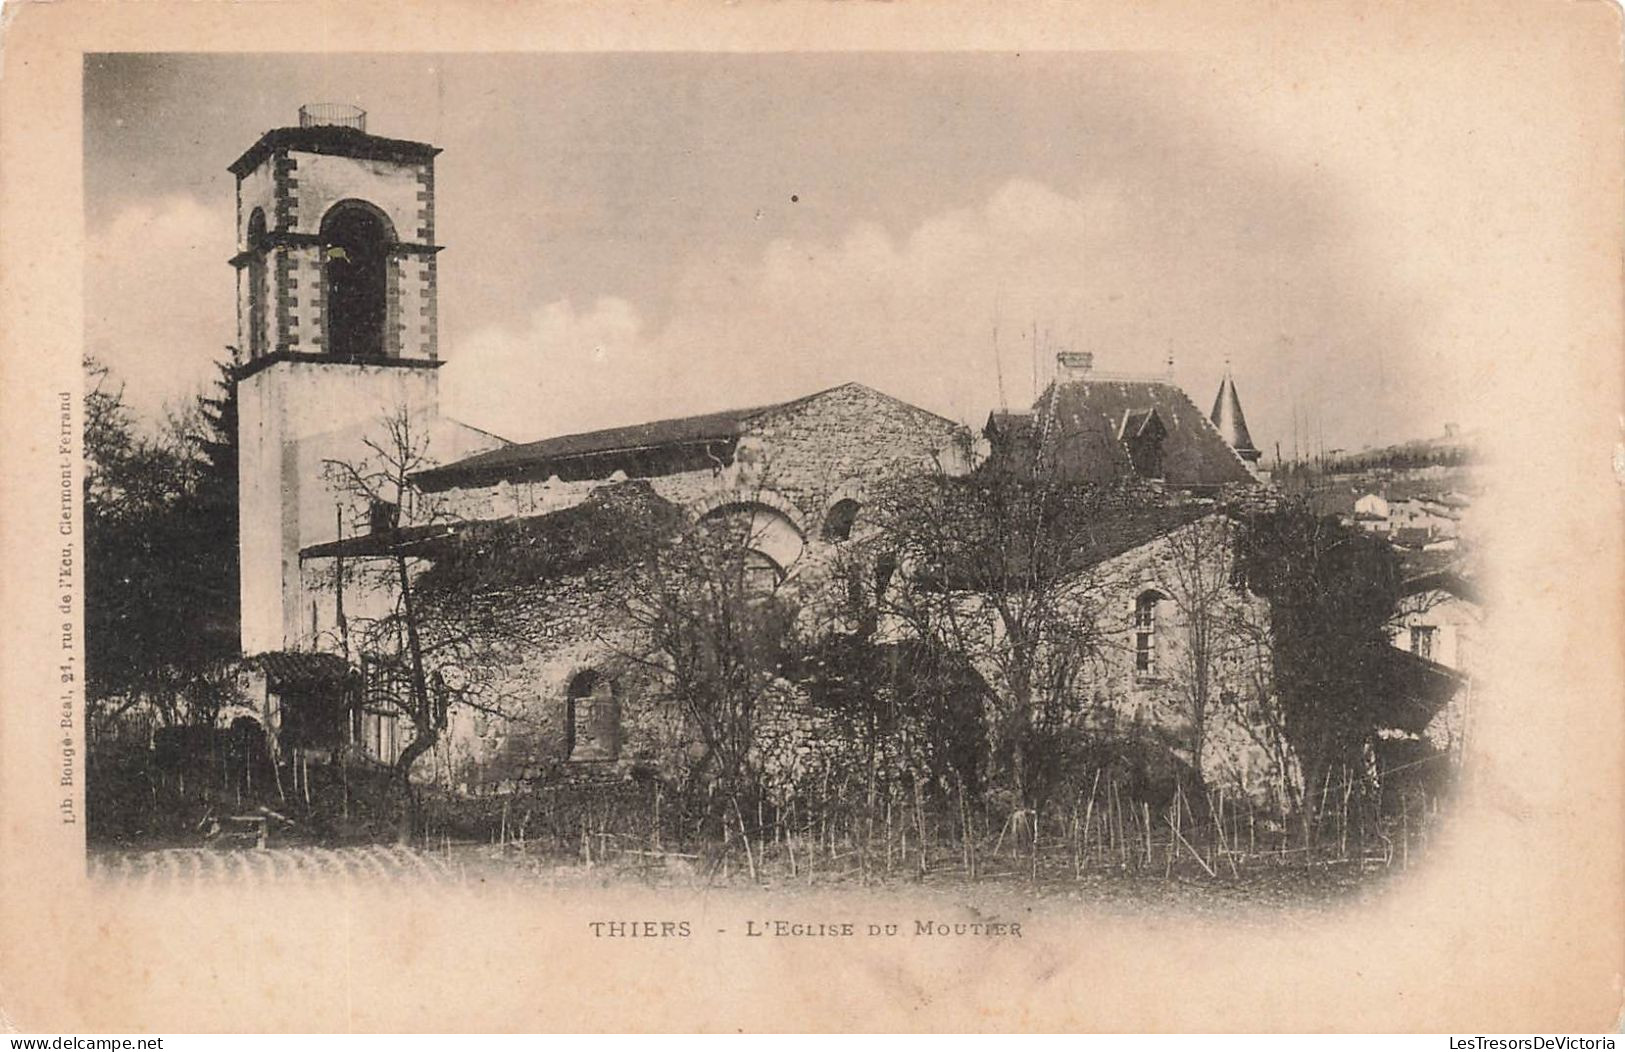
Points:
(640, 235)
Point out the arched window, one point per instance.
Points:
(1145, 632)
(256, 284)
(355, 261)
(840, 518)
(761, 575)
(592, 718)
(759, 527)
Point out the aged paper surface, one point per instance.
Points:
(1482, 140)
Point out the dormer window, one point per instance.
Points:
(1142, 433)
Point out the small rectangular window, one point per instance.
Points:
(1422, 641)
(1145, 634)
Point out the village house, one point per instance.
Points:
(1439, 618)
(1188, 651)
(337, 270)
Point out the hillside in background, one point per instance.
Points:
(1441, 472)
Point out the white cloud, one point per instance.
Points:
(560, 368)
(159, 297)
(1108, 267)
(911, 316)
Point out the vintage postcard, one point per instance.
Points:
(812, 517)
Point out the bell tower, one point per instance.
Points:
(337, 327)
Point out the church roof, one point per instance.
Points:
(1227, 417)
(1083, 426)
(705, 437)
(528, 457)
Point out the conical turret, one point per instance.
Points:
(1228, 418)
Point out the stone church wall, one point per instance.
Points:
(839, 441)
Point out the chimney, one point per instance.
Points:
(1073, 366)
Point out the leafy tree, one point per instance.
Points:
(1332, 591)
(157, 502)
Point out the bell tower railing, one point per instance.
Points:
(332, 115)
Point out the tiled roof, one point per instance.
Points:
(286, 669)
(614, 520)
(616, 523)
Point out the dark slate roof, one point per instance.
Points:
(1124, 529)
(1081, 425)
(332, 139)
(1009, 421)
(1101, 524)
(722, 427)
(1411, 689)
(379, 542)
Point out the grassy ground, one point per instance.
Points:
(1185, 887)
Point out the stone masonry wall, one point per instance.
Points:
(842, 440)
(1242, 752)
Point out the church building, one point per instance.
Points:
(346, 463)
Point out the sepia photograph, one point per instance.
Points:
(813, 518)
(800, 471)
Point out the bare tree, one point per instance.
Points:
(998, 566)
(712, 621)
(439, 638)
(1199, 578)
(379, 487)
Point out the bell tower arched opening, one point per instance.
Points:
(356, 240)
(257, 334)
